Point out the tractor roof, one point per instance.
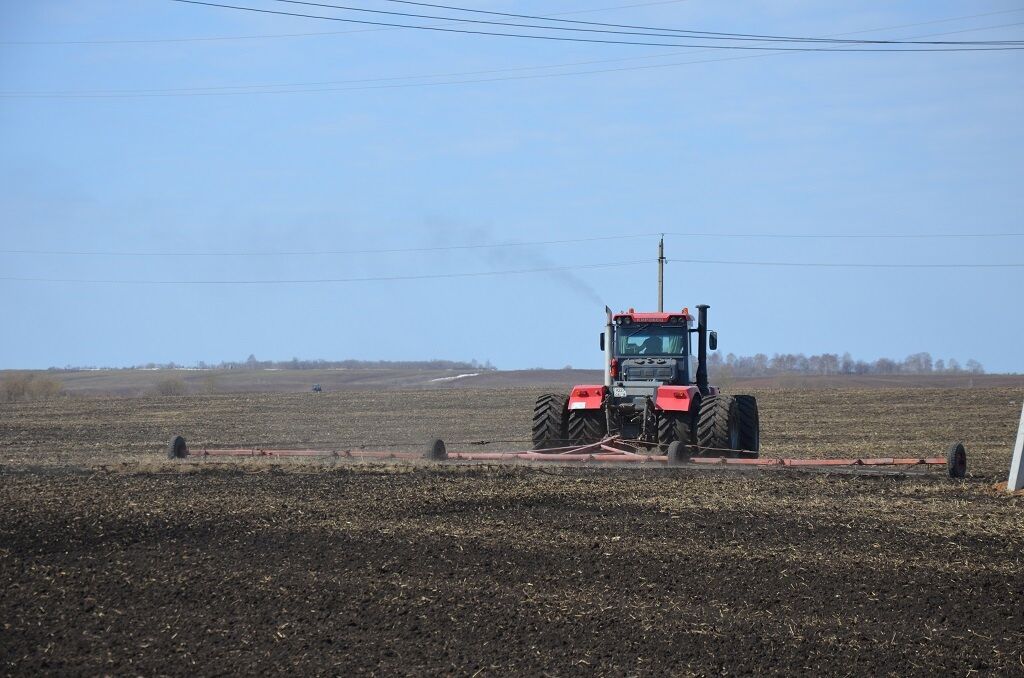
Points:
(636, 317)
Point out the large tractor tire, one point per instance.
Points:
(586, 426)
(750, 426)
(718, 426)
(549, 421)
(677, 426)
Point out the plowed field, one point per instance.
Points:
(117, 561)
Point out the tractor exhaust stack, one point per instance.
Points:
(702, 348)
(608, 350)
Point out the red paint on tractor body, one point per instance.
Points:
(675, 398)
(586, 397)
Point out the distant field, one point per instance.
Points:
(199, 382)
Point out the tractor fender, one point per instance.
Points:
(586, 397)
(676, 398)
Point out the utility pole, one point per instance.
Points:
(661, 275)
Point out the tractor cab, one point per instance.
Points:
(652, 347)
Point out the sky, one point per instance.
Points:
(159, 156)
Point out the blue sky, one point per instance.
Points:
(777, 144)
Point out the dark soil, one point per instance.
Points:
(117, 561)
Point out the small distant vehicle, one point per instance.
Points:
(317, 388)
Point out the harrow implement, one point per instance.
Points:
(611, 450)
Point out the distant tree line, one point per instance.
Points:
(252, 363)
(761, 365)
(17, 386)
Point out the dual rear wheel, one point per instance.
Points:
(555, 426)
(729, 426)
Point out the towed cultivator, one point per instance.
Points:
(612, 450)
(655, 407)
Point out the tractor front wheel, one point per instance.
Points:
(586, 426)
(549, 421)
(673, 426)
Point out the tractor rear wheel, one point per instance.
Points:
(750, 426)
(586, 426)
(673, 426)
(549, 421)
(718, 426)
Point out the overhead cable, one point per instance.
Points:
(498, 245)
(635, 30)
(479, 274)
(268, 36)
(384, 250)
(360, 83)
(1008, 46)
(307, 281)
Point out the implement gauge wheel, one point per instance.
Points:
(550, 425)
(436, 450)
(956, 460)
(178, 449)
(678, 453)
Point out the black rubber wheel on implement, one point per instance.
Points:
(585, 427)
(673, 426)
(678, 453)
(178, 449)
(549, 422)
(436, 450)
(956, 460)
(718, 427)
(750, 426)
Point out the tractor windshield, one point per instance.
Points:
(650, 339)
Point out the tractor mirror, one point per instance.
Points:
(713, 341)
(602, 341)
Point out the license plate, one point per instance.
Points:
(619, 392)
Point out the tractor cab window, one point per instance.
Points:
(649, 339)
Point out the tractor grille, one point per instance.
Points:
(643, 373)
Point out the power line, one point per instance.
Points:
(478, 274)
(286, 253)
(306, 281)
(1007, 46)
(642, 31)
(688, 33)
(265, 36)
(815, 264)
(523, 243)
(846, 236)
(316, 87)
(316, 33)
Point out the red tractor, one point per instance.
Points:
(655, 392)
